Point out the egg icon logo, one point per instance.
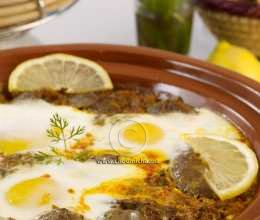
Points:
(128, 137)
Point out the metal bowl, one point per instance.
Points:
(17, 30)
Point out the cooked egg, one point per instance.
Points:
(142, 132)
(98, 205)
(135, 133)
(24, 124)
(11, 146)
(205, 122)
(30, 192)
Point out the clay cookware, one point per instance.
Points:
(199, 83)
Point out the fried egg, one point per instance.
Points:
(30, 192)
(24, 124)
(137, 133)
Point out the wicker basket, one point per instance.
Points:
(20, 15)
(239, 30)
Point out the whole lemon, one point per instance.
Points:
(237, 59)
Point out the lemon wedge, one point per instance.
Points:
(232, 165)
(237, 59)
(59, 72)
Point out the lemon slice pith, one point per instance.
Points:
(59, 71)
(233, 166)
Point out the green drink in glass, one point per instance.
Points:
(165, 24)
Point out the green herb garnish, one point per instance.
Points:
(83, 156)
(56, 157)
(42, 157)
(59, 130)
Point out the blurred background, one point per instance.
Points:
(100, 21)
(223, 32)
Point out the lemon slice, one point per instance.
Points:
(57, 72)
(232, 165)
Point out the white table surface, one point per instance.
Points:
(103, 21)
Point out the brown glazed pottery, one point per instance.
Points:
(199, 83)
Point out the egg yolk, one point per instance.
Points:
(8, 147)
(143, 133)
(32, 192)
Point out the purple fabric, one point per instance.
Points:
(241, 8)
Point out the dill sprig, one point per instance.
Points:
(83, 156)
(56, 157)
(42, 157)
(60, 131)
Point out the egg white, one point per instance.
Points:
(70, 175)
(173, 126)
(29, 120)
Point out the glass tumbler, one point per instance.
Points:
(165, 24)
